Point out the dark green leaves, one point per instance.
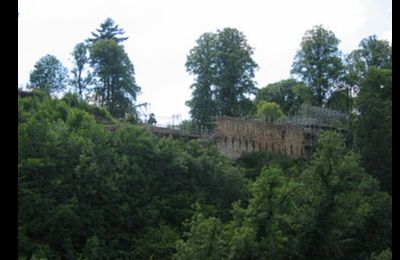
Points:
(318, 62)
(108, 31)
(331, 210)
(373, 124)
(88, 193)
(49, 74)
(116, 87)
(224, 73)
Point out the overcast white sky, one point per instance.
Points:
(161, 33)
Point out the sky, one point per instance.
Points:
(162, 32)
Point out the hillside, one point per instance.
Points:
(88, 193)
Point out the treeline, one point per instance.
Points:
(102, 74)
(358, 84)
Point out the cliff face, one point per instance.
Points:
(236, 136)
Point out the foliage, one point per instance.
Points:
(204, 238)
(332, 210)
(49, 74)
(373, 125)
(224, 70)
(86, 193)
(116, 87)
(289, 94)
(268, 111)
(384, 255)
(340, 100)
(318, 62)
(253, 163)
(108, 31)
(371, 53)
(81, 58)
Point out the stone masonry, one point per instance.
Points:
(235, 137)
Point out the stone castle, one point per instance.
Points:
(236, 136)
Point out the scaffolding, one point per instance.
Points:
(317, 116)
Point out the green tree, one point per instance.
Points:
(49, 74)
(288, 94)
(340, 100)
(371, 53)
(373, 125)
(204, 239)
(318, 62)
(332, 210)
(268, 111)
(384, 255)
(351, 217)
(85, 192)
(199, 62)
(224, 73)
(108, 31)
(81, 58)
(116, 88)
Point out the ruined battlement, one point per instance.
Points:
(235, 137)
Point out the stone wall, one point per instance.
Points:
(236, 137)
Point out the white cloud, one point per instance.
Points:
(386, 36)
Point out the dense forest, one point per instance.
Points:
(85, 192)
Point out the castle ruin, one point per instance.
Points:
(235, 137)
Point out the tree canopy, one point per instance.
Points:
(49, 75)
(81, 59)
(289, 94)
(332, 210)
(268, 111)
(108, 31)
(318, 62)
(85, 192)
(371, 53)
(116, 87)
(373, 124)
(224, 71)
